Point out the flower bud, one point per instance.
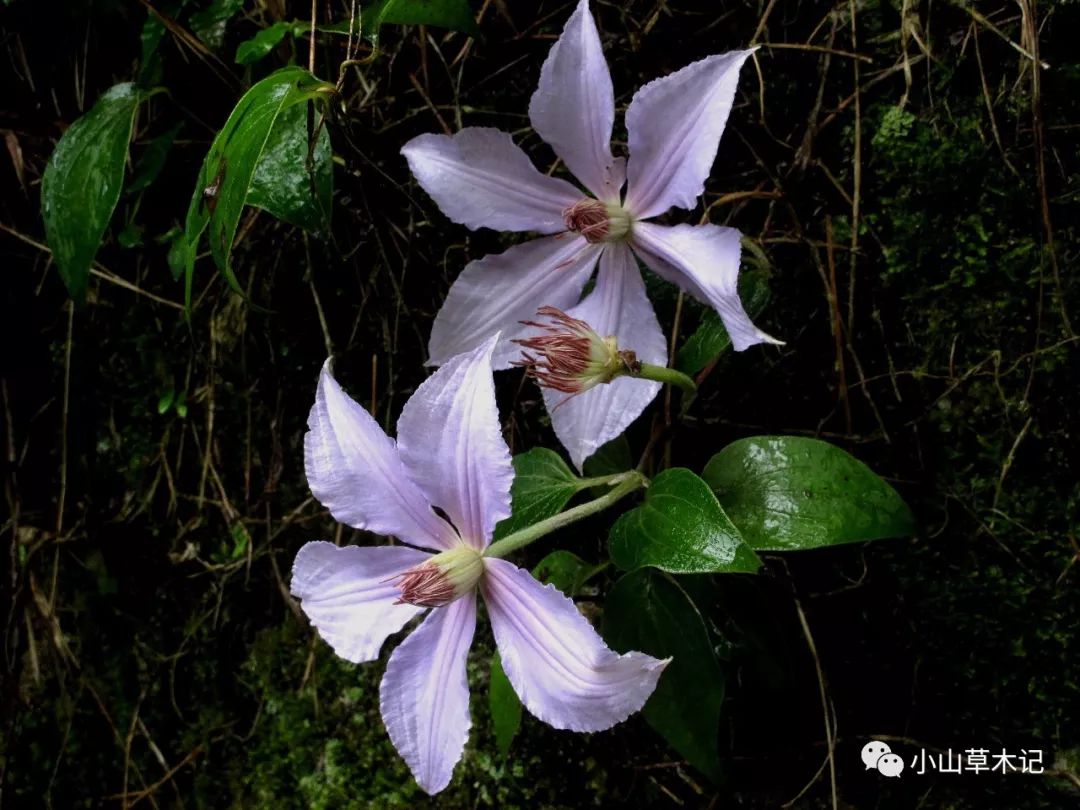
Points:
(598, 221)
(569, 355)
(441, 579)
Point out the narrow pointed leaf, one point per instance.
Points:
(455, 15)
(648, 611)
(252, 50)
(679, 528)
(787, 493)
(227, 173)
(82, 183)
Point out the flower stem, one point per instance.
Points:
(621, 486)
(666, 375)
(670, 376)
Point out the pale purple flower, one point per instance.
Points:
(480, 178)
(449, 454)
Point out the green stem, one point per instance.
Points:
(667, 375)
(670, 376)
(600, 480)
(622, 485)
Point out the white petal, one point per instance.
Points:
(348, 594)
(498, 291)
(573, 107)
(559, 666)
(674, 126)
(480, 178)
(617, 305)
(704, 261)
(354, 470)
(451, 441)
(424, 696)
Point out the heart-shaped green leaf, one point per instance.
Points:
(787, 493)
(648, 611)
(679, 528)
(82, 183)
(543, 485)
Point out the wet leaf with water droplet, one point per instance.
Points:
(82, 183)
(787, 493)
(292, 181)
(679, 528)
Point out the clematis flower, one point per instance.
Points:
(480, 178)
(449, 455)
(568, 355)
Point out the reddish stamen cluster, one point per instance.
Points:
(588, 217)
(425, 585)
(569, 356)
(564, 351)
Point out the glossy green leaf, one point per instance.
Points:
(543, 485)
(228, 171)
(285, 184)
(254, 49)
(787, 493)
(711, 338)
(153, 160)
(566, 571)
(504, 706)
(680, 528)
(453, 14)
(648, 611)
(82, 183)
(209, 24)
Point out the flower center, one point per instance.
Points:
(441, 579)
(568, 355)
(598, 221)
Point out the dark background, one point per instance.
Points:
(151, 653)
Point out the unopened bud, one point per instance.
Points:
(441, 579)
(569, 356)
